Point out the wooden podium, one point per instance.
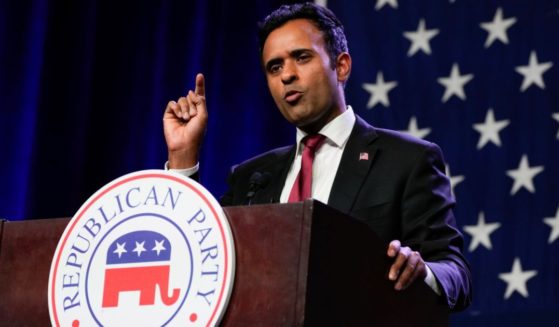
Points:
(301, 264)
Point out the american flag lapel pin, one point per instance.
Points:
(363, 156)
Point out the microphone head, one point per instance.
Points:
(265, 178)
(259, 179)
(255, 178)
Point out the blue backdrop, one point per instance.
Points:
(83, 85)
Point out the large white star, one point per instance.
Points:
(454, 83)
(139, 248)
(524, 175)
(489, 130)
(553, 222)
(382, 3)
(414, 130)
(454, 180)
(516, 280)
(533, 72)
(497, 28)
(556, 117)
(379, 91)
(481, 233)
(420, 38)
(120, 249)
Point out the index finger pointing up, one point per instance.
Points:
(200, 85)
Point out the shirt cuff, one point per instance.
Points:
(185, 172)
(431, 280)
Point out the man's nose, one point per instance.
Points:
(289, 73)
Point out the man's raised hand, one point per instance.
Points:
(184, 125)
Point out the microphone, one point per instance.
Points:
(256, 182)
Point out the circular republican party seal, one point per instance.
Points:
(151, 248)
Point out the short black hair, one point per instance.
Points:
(321, 17)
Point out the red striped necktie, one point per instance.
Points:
(303, 184)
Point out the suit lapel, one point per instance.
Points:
(354, 166)
(278, 170)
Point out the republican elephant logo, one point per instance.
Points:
(139, 261)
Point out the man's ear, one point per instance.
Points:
(343, 67)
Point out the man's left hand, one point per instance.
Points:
(407, 267)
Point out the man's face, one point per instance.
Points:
(300, 75)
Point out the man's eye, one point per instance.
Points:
(303, 58)
(274, 68)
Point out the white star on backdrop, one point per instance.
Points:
(120, 249)
(516, 280)
(524, 175)
(553, 222)
(454, 84)
(414, 130)
(533, 72)
(556, 117)
(481, 233)
(379, 91)
(497, 29)
(454, 180)
(420, 38)
(159, 247)
(381, 3)
(139, 248)
(489, 130)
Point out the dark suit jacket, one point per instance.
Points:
(401, 192)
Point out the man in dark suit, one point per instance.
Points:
(394, 183)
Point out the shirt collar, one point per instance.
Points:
(336, 131)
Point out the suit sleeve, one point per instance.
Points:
(228, 198)
(429, 226)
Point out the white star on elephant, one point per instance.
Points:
(139, 248)
(159, 247)
(120, 249)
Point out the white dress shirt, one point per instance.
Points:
(326, 159)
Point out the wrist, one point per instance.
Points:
(182, 159)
